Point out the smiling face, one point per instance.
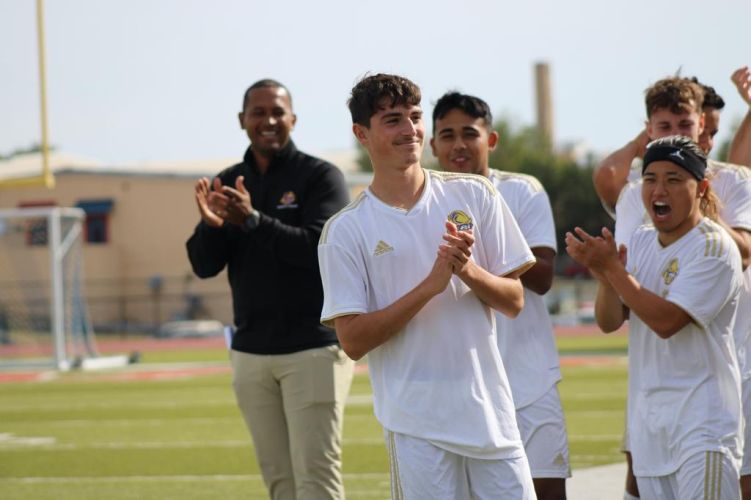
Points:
(463, 143)
(268, 119)
(672, 197)
(395, 136)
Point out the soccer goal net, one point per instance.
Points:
(43, 316)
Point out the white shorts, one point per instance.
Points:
(543, 430)
(746, 400)
(708, 475)
(421, 470)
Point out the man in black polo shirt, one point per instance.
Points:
(262, 219)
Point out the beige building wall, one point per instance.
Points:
(151, 219)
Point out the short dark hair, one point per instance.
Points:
(469, 104)
(677, 94)
(266, 82)
(375, 92)
(711, 98)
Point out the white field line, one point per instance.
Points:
(372, 476)
(12, 443)
(68, 405)
(131, 422)
(49, 444)
(594, 413)
(353, 400)
(589, 396)
(146, 422)
(596, 437)
(176, 478)
(587, 461)
(8, 442)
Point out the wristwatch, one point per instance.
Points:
(253, 219)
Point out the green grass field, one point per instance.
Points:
(90, 436)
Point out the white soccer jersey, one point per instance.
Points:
(526, 343)
(441, 379)
(732, 185)
(634, 173)
(629, 212)
(684, 392)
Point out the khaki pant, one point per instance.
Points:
(293, 405)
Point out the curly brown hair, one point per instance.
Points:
(677, 94)
(375, 92)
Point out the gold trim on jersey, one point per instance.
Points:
(713, 246)
(329, 322)
(396, 484)
(352, 205)
(533, 181)
(713, 475)
(523, 268)
(455, 176)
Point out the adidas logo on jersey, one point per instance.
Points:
(381, 248)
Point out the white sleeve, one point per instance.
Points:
(630, 213)
(703, 288)
(344, 286)
(736, 207)
(503, 238)
(536, 221)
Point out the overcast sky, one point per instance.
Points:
(155, 80)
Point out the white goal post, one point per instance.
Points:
(44, 319)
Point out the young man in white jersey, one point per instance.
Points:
(685, 107)
(675, 105)
(617, 169)
(680, 286)
(412, 270)
(463, 138)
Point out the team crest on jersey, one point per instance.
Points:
(288, 200)
(462, 221)
(670, 272)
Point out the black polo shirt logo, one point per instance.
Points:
(288, 200)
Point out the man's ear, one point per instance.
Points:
(702, 119)
(361, 133)
(432, 146)
(703, 185)
(493, 139)
(240, 118)
(294, 121)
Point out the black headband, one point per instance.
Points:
(682, 157)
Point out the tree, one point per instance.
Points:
(33, 148)
(363, 160)
(722, 150)
(568, 184)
